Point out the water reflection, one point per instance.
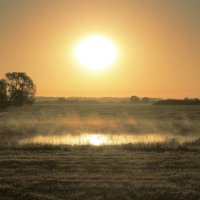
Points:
(100, 139)
(97, 140)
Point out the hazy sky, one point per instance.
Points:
(158, 42)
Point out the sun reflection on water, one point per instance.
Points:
(97, 139)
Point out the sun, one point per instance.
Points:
(95, 53)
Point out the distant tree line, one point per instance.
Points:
(135, 99)
(76, 100)
(186, 101)
(142, 100)
(16, 89)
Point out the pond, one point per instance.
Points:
(101, 139)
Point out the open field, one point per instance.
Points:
(98, 173)
(157, 169)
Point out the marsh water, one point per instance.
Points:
(103, 139)
(99, 124)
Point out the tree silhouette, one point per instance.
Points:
(3, 93)
(61, 99)
(134, 99)
(186, 101)
(145, 100)
(16, 89)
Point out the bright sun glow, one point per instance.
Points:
(96, 53)
(97, 140)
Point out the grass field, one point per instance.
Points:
(167, 170)
(93, 173)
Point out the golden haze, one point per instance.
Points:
(158, 43)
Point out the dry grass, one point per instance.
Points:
(98, 173)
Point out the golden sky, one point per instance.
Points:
(158, 42)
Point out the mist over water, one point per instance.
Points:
(95, 130)
(102, 139)
(98, 124)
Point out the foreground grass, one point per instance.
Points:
(55, 173)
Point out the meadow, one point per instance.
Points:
(160, 158)
(50, 119)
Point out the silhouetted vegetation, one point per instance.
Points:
(16, 89)
(142, 100)
(145, 100)
(134, 99)
(80, 100)
(61, 99)
(186, 101)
